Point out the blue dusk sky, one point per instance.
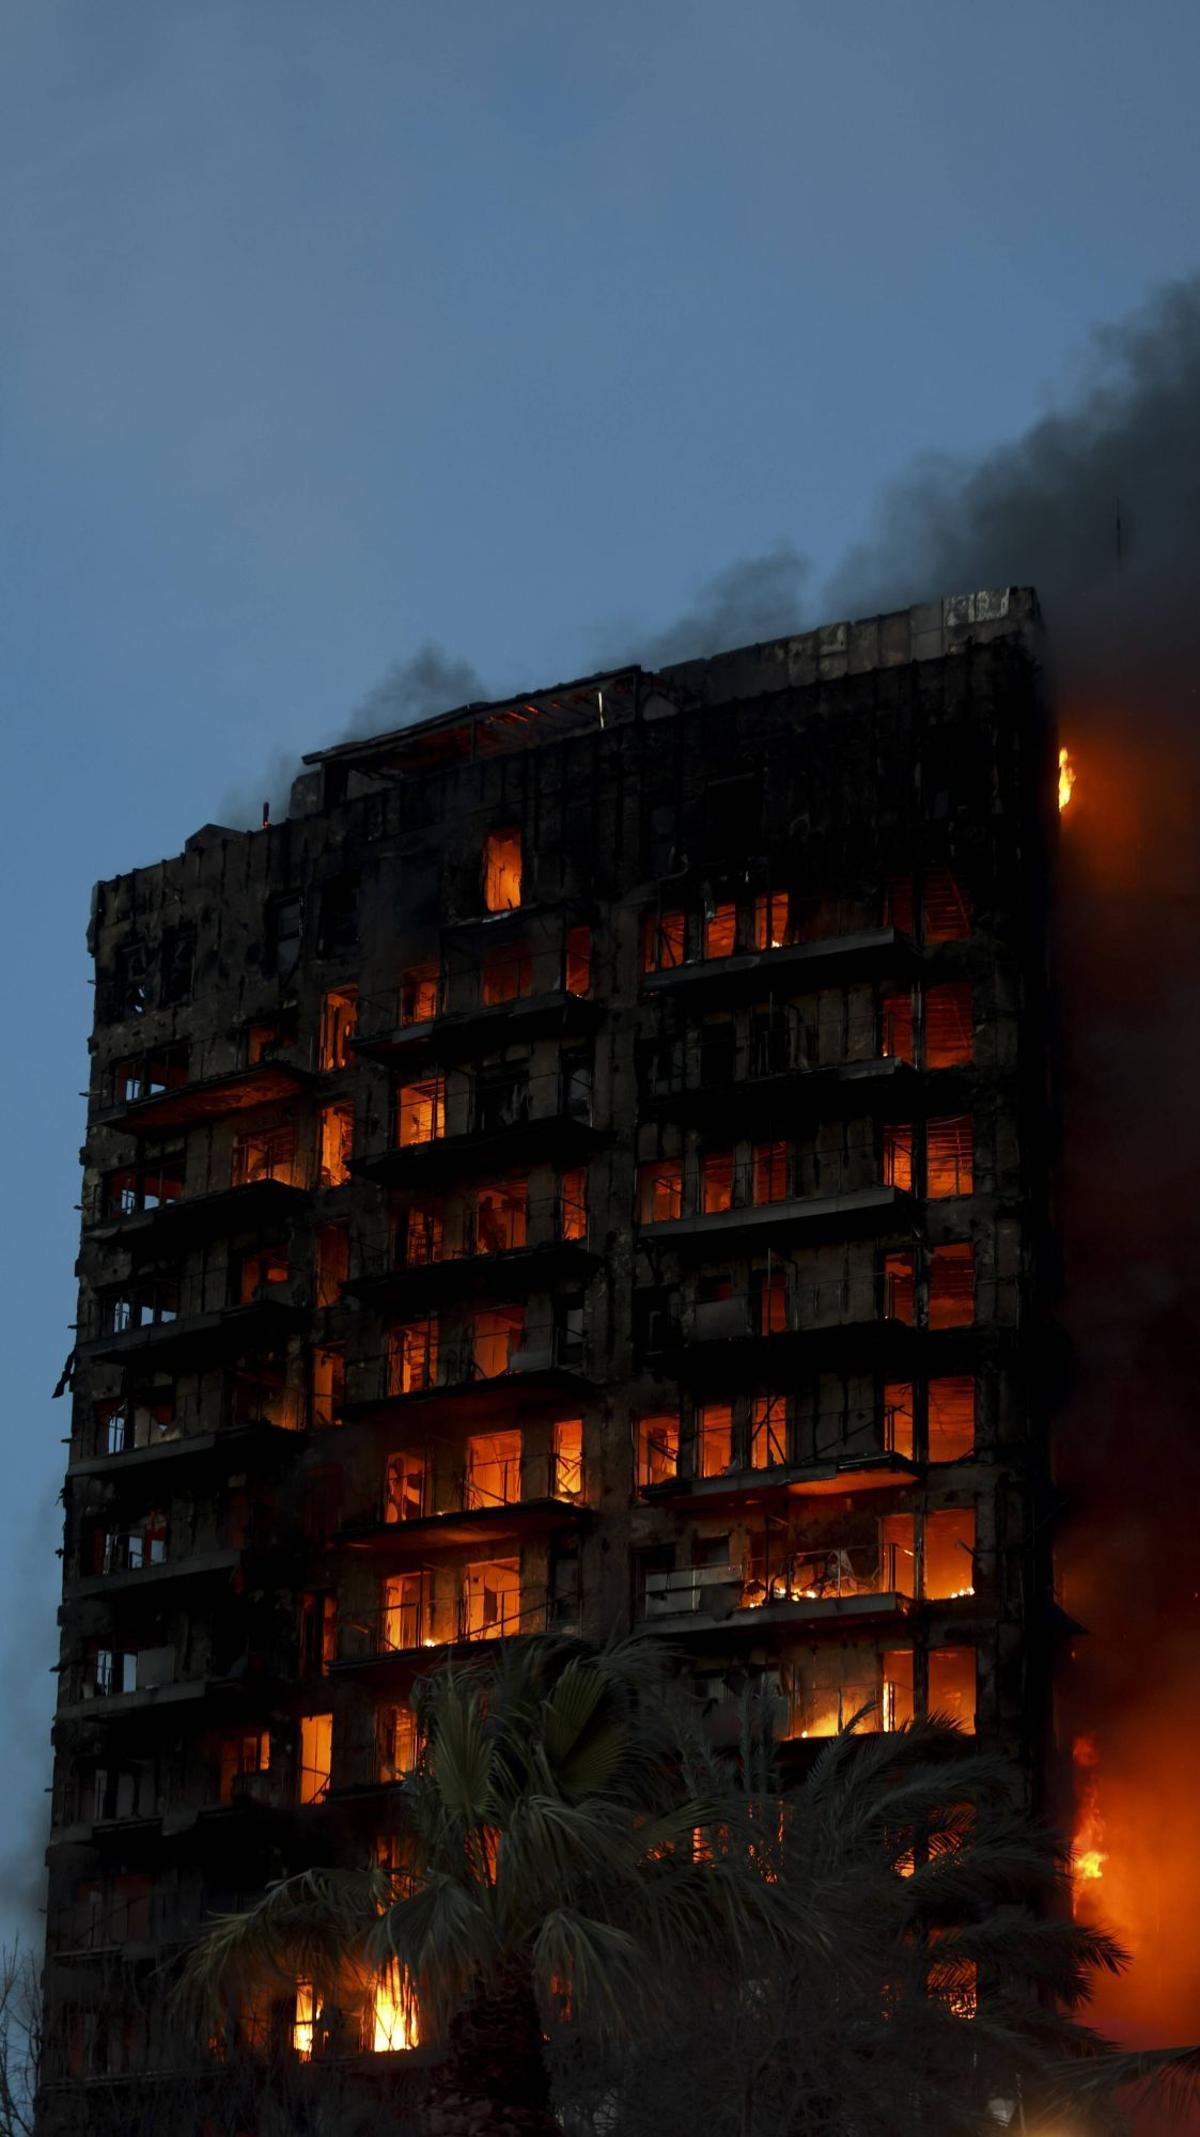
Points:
(333, 329)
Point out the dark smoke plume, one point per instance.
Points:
(432, 681)
(1098, 506)
(753, 599)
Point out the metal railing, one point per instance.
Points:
(830, 1574)
(415, 1626)
(417, 1492)
(464, 1363)
(179, 1064)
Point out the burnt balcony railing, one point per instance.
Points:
(471, 1364)
(184, 1082)
(792, 1584)
(536, 993)
(780, 1187)
(417, 1495)
(779, 1042)
(829, 1574)
(164, 1314)
(415, 1627)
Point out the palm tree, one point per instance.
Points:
(591, 1904)
(547, 1844)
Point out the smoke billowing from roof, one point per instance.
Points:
(1098, 506)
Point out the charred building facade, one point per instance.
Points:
(586, 1168)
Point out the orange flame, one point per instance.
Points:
(1087, 1856)
(1066, 778)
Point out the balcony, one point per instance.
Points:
(388, 1033)
(537, 1368)
(417, 1634)
(523, 1496)
(767, 1072)
(861, 954)
(193, 1086)
(809, 1587)
(776, 1193)
(165, 1320)
(513, 1128)
(257, 1205)
(245, 1444)
(777, 1327)
(476, 1244)
(128, 1569)
(866, 1469)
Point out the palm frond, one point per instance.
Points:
(598, 1967)
(303, 1927)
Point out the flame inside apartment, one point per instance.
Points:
(589, 1164)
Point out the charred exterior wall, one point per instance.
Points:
(586, 1168)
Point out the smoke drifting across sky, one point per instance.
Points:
(1098, 506)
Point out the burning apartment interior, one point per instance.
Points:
(587, 1167)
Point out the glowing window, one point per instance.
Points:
(769, 1172)
(898, 1157)
(507, 975)
(950, 1553)
(952, 1286)
(952, 1685)
(412, 1352)
(898, 1434)
(714, 1439)
(501, 871)
(419, 994)
(404, 1488)
(946, 913)
(337, 1142)
(496, 1334)
(339, 1016)
(896, 1690)
(660, 1191)
(899, 1290)
(768, 1432)
(572, 1203)
(716, 1181)
(663, 941)
(951, 1419)
(772, 928)
(399, 1742)
(268, 1155)
(948, 1026)
(658, 1450)
(568, 1458)
(493, 1469)
(578, 962)
(897, 1573)
(896, 1027)
(403, 1612)
(316, 1756)
(950, 1157)
(263, 1275)
(423, 1233)
(248, 1752)
(491, 1600)
(421, 1112)
(304, 2021)
(720, 931)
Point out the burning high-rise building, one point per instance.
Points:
(588, 1167)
